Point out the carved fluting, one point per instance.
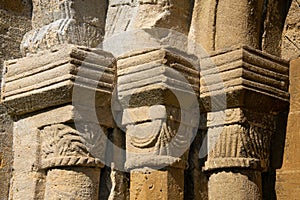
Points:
(65, 21)
(243, 140)
(62, 145)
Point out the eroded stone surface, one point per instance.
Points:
(14, 23)
(287, 183)
(55, 159)
(290, 37)
(166, 184)
(63, 22)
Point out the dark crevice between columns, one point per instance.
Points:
(215, 24)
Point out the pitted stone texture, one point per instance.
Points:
(127, 15)
(149, 185)
(14, 23)
(291, 33)
(6, 152)
(235, 186)
(275, 13)
(72, 183)
(66, 21)
(288, 177)
(222, 24)
(27, 181)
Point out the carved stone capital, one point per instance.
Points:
(240, 140)
(63, 146)
(158, 90)
(242, 91)
(156, 138)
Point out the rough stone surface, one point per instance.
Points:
(61, 22)
(291, 33)
(76, 183)
(238, 186)
(150, 185)
(70, 102)
(14, 23)
(288, 182)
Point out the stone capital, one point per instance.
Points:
(159, 92)
(242, 91)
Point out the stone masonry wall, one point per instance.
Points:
(14, 23)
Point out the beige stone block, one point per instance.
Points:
(288, 184)
(127, 15)
(294, 85)
(27, 185)
(291, 153)
(238, 22)
(162, 184)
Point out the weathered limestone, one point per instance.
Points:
(157, 184)
(60, 98)
(80, 183)
(255, 85)
(275, 14)
(219, 24)
(288, 177)
(290, 38)
(158, 91)
(58, 22)
(124, 15)
(14, 23)
(57, 133)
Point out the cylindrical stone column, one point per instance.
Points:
(72, 183)
(219, 24)
(241, 184)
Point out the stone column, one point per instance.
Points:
(158, 89)
(220, 24)
(60, 101)
(241, 122)
(288, 177)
